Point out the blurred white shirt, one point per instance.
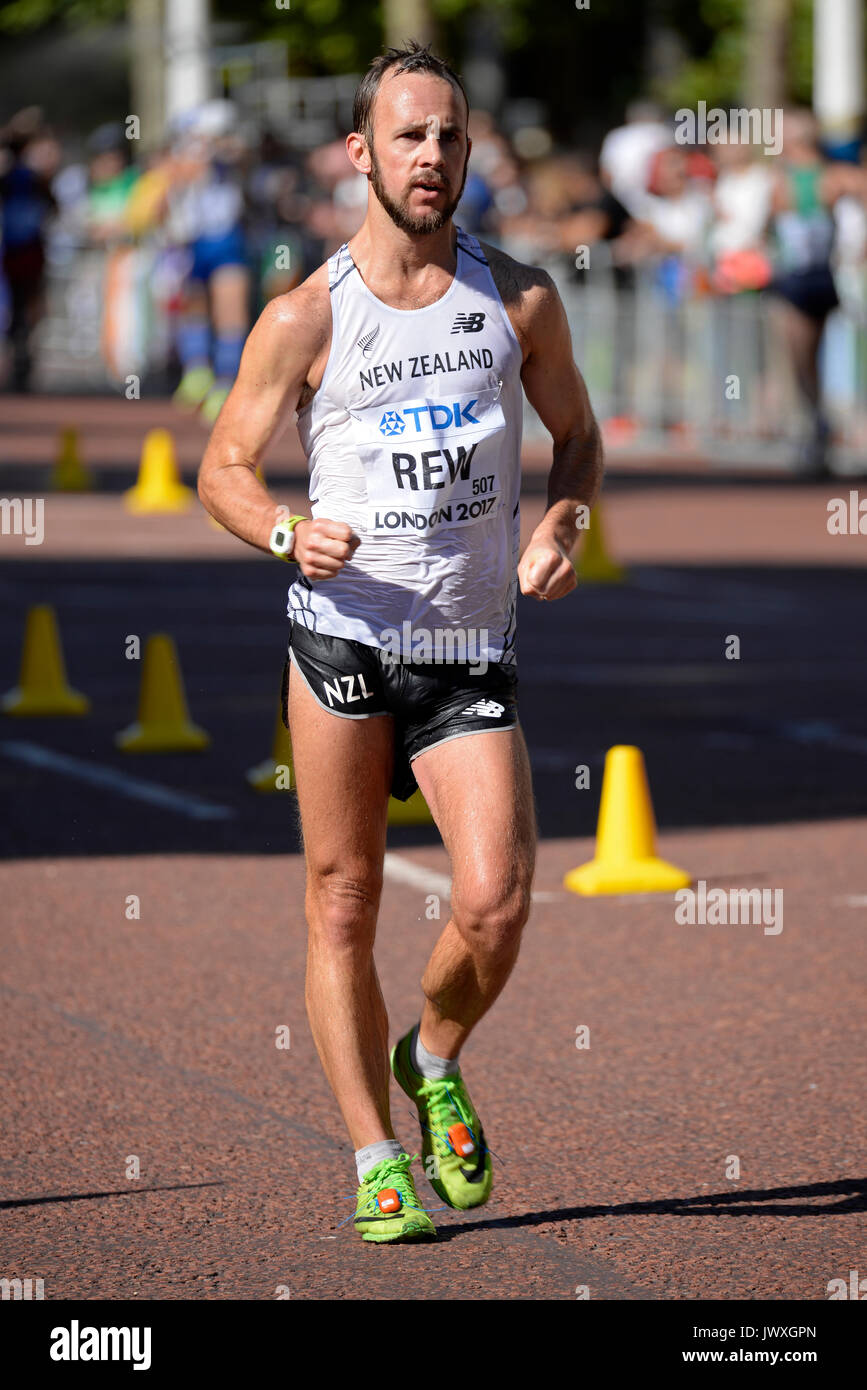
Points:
(626, 156)
(742, 204)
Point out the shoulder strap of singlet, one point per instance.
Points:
(470, 246)
(340, 265)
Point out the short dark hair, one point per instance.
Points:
(413, 57)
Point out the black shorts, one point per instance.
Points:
(812, 290)
(430, 702)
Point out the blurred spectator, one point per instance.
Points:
(185, 245)
(676, 209)
(628, 151)
(26, 202)
(742, 205)
(206, 216)
(112, 177)
(803, 283)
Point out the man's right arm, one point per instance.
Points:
(291, 332)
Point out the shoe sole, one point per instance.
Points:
(403, 1238)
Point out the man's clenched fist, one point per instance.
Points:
(322, 547)
(545, 571)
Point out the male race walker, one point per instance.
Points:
(405, 356)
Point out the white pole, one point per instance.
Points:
(838, 66)
(188, 81)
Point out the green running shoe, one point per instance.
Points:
(388, 1208)
(457, 1162)
(195, 385)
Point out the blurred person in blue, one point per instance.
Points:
(206, 213)
(26, 203)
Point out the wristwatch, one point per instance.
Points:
(282, 540)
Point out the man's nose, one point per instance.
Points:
(432, 152)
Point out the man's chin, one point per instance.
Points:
(419, 225)
(422, 222)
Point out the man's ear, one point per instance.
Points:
(358, 152)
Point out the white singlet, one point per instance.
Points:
(414, 439)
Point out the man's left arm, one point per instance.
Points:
(555, 388)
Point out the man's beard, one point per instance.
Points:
(432, 221)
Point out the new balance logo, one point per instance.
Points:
(468, 323)
(488, 708)
(366, 343)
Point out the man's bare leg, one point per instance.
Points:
(343, 770)
(479, 790)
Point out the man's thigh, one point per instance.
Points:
(343, 770)
(479, 789)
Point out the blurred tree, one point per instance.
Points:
(584, 63)
(405, 19)
(21, 16)
(755, 51)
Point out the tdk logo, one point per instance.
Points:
(429, 417)
(391, 423)
(468, 323)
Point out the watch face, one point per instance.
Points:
(281, 539)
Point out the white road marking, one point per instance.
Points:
(402, 870)
(855, 900)
(136, 788)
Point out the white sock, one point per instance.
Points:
(426, 1064)
(368, 1157)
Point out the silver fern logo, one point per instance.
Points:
(366, 343)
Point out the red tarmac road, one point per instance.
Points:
(155, 1039)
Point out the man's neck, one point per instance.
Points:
(382, 250)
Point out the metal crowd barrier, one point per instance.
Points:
(706, 376)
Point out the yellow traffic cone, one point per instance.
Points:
(625, 859)
(277, 773)
(42, 686)
(593, 565)
(159, 488)
(163, 724)
(69, 473)
(415, 811)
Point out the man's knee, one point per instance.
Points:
(491, 915)
(342, 906)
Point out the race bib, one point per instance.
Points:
(432, 463)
